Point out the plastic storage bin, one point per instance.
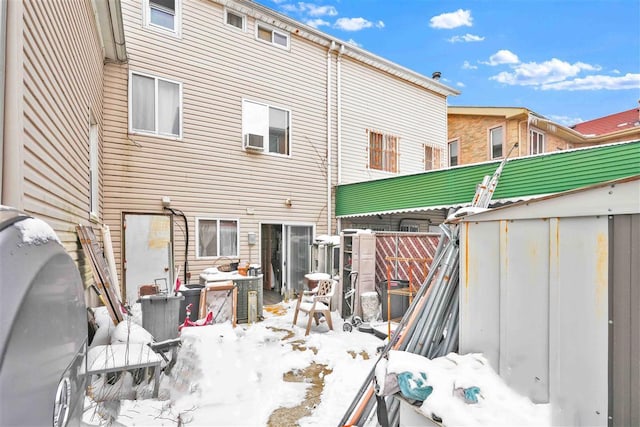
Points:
(399, 303)
(191, 296)
(160, 315)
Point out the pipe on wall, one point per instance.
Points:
(329, 119)
(12, 139)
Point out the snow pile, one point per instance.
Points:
(450, 376)
(36, 232)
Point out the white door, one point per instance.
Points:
(147, 253)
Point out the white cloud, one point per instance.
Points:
(310, 9)
(353, 24)
(534, 74)
(380, 24)
(467, 66)
(353, 42)
(452, 20)
(616, 72)
(503, 57)
(315, 23)
(565, 120)
(460, 84)
(600, 82)
(466, 38)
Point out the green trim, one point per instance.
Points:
(521, 177)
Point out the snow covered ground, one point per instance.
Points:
(241, 376)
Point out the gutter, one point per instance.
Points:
(13, 108)
(3, 54)
(266, 15)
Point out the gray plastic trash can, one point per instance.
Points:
(191, 296)
(399, 303)
(160, 315)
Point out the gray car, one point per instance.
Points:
(43, 326)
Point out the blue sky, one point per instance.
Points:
(569, 60)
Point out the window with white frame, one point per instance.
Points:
(266, 128)
(496, 141)
(163, 14)
(217, 237)
(453, 152)
(235, 19)
(155, 105)
(383, 151)
(273, 36)
(93, 168)
(536, 142)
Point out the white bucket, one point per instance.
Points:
(370, 306)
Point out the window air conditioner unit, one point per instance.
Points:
(254, 142)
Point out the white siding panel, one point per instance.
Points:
(63, 66)
(374, 100)
(207, 173)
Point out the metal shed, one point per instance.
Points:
(550, 293)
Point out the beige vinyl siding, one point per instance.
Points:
(374, 100)
(207, 173)
(63, 66)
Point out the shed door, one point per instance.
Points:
(147, 252)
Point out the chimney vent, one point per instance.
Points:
(436, 75)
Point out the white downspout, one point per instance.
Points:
(339, 119)
(13, 137)
(329, 117)
(3, 55)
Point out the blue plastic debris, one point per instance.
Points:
(414, 387)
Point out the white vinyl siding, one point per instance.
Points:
(155, 105)
(209, 172)
(163, 15)
(62, 81)
(426, 119)
(217, 238)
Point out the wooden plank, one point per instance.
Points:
(100, 270)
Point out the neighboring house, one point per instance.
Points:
(424, 200)
(479, 134)
(52, 79)
(229, 127)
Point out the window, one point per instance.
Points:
(155, 106)
(383, 152)
(496, 139)
(453, 153)
(93, 168)
(217, 237)
(536, 142)
(235, 19)
(428, 158)
(272, 36)
(266, 128)
(163, 14)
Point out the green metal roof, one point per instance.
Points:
(521, 177)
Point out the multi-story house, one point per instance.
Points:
(51, 119)
(479, 134)
(230, 125)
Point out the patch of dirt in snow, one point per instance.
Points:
(276, 310)
(289, 333)
(300, 346)
(314, 375)
(364, 354)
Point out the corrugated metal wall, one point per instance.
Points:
(533, 299)
(624, 313)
